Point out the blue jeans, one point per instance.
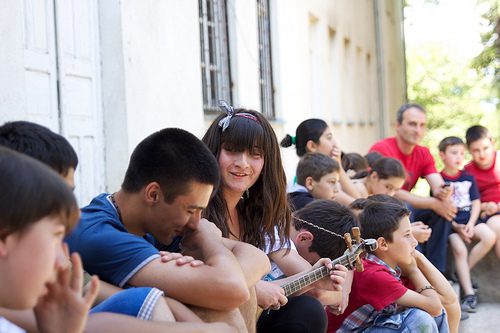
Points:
(411, 320)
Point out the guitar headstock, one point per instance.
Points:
(357, 247)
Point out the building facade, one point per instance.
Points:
(106, 73)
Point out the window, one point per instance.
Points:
(216, 78)
(265, 61)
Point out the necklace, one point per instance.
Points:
(112, 197)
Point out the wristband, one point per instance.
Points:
(427, 287)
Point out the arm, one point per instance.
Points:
(474, 215)
(254, 262)
(360, 186)
(22, 318)
(218, 284)
(427, 300)
(116, 323)
(442, 287)
(444, 208)
(181, 312)
(416, 201)
(490, 208)
(436, 182)
(347, 186)
(343, 198)
(420, 231)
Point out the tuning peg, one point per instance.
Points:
(357, 238)
(357, 235)
(348, 240)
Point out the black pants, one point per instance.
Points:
(302, 314)
(435, 249)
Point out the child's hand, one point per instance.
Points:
(444, 192)
(408, 269)
(64, 308)
(421, 231)
(180, 259)
(337, 275)
(469, 231)
(269, 295)
(490, 208)
(445, 208)
(336, 154)
(460, 230)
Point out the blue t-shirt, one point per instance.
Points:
(464, 189)
(106, 247)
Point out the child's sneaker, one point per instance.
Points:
(475, 285)
(469, 303)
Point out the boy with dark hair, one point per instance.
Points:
(312, 240)
(35, 214)
(420, 230)
(169, 181)
(399, 287)
(465, 195)
(485, 167)
(51, 148)
(313, 234)
(317, 178)
(43, 145)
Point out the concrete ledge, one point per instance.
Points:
(487, 274)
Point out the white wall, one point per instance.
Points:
(151, 74)
(155, 77)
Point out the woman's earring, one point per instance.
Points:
(247, 192)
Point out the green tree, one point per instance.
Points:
(455, 95)
(487, 63)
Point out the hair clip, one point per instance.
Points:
(224, 122)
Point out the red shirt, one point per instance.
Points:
(375, 286)
(419, 163)
(488, 180)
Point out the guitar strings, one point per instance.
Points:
(316, 226)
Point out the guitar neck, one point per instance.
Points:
(313, 276)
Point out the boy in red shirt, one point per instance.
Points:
(465, 225)
(399, 288)
(485, 167)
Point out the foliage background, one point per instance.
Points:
(457, 91)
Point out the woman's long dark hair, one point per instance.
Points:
(265, 209)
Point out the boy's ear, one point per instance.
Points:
(441, 155)
(311, 146)
(304, 236)
(303, 240)
(309, 183)
(152, 192)
(374, 175)
(382, 244)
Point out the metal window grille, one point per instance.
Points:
(216, 78)
(265, 60)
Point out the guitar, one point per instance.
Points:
(350, 259)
